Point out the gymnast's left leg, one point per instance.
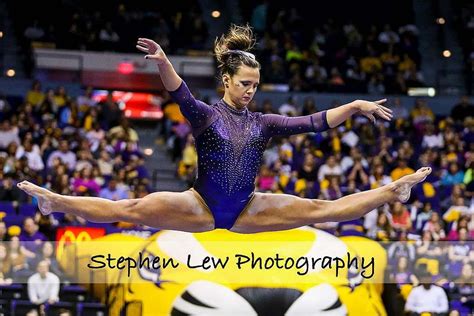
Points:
(271, 212)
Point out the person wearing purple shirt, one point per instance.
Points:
(230, 141)
(30, 237)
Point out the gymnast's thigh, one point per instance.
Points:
(173, 210)
(272, 212)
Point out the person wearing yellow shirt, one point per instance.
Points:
(401, 170)
(35, 96)
(173, 113)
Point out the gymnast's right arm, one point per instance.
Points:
(195, 111)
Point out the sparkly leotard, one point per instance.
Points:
(230, 145)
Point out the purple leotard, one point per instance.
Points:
(230, 145)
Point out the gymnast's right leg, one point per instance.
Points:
(162, 210)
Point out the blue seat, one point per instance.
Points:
(21, 307)
(73, 293)
(91, 309)
(28, 209)
(14, 220)
(7, 207)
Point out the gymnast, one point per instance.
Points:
(230, 142)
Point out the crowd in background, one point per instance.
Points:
(336, 57)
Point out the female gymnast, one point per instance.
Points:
(230, 142)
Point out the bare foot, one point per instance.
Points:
(45, 197)
(404, 184)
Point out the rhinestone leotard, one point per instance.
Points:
(230, 145)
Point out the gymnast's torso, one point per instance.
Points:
(230, 144)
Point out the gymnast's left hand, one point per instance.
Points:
(372, 109)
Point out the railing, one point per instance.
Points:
(78, 58)
(184, 64)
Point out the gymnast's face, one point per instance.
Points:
(241, 87)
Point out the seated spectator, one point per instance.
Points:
(106, 164)
(427, 297)
(35, 96)
(330, 168)
(383, 230)
(9, 191)
(431, 139)
(47, 254)
(32, 153)
(403, 274)
(452, 176)
(463, 222)
(84, 183)
(3, 231)
(462, 291)
(435, 227)
(332, 190)
(31, 239)
(66, 156)
(423, 217)
(378, 177)
(265, 180)
(288, 108)
(460, 253)
(400, 217)
(112, 192)
(19, 266)
(462, 110)
(401, 248)
(5, 266)
(123, 131)
(457, 210)
(401, 170)
(8, 134)
(43, 286)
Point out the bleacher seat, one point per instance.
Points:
(13, 219)
(91, 309)
(15, 291)
(27, 209)
(74, 293)
(21, 307)
(7, 207)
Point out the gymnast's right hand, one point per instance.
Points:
(153, 50)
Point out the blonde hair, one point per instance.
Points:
(232, 49)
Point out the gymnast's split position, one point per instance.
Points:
(230, 142)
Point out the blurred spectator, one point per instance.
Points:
(47, 255)
(5, 266)
(112, 192)
(400, 217)
(3, 231)
(462, 110)
(9, 191)
(64, 154)
(8, 134)
(427, 297)
(43, 286)
(288, 108)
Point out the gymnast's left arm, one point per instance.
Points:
(369, 109)
(274, 124)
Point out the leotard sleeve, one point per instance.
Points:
(196, 112)
(274, 124)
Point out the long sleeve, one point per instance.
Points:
(274, 124)
(33, 294)
(196, 112)
(442, 299)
